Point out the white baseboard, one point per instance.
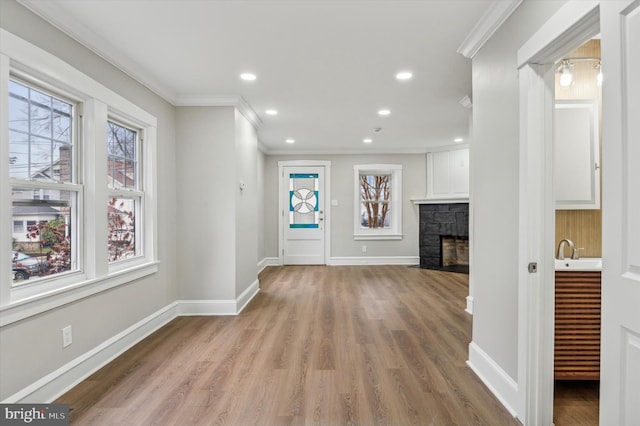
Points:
(268, 261)
(494, 377)
(56, 383)
(243, 300)
(218, 307)
(469, 308)
(372, 260)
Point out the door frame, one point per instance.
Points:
(573, 24)
(282, 205)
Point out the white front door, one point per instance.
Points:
(620, 345)
(304, 206)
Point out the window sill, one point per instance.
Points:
(23, 305)
(361, 237)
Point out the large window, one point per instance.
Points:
(78, 166)
(44, 190)
(378, 201)
(125, 195)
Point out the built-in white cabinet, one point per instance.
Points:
(576, 142)
(448, 174)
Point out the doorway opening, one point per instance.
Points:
(578, 221)
(538, 59)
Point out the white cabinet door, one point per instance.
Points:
(448, 174)
(576, 155)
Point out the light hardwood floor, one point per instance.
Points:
(341, 345)
(576, 403)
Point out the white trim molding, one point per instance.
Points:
(218, 307)
(268, 261)
(489, 23)
(469, 308)
(79, 32)
(377, 260)
(56, 383)
(461, 200)
(238, 102)
(568, 28)
(495, 378)
(394, 231)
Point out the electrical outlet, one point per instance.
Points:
(67, 337)
(364, 249)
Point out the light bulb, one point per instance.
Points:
(599, 76)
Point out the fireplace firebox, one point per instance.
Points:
(444, 237)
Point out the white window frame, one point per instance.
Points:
(394, 232)
(39, 187)
(30, 63)
(137, 194)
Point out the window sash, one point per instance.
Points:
(125, 229)
(24, 62)
(33, 136)
(385, 198)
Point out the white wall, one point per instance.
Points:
(246, 208)
(261, 209)
(494, 157)
(342, 190)
(218, 242)
(206, 176)
(32, 348)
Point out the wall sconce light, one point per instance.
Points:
(565, 73)
(564, 69)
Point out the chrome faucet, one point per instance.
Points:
(572, 247)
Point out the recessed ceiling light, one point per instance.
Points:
(271, 112)
(248, 76)
(367, 140)
(458, 140)
(384, 112)
(289, 141)
(404, 75)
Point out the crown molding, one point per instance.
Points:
(493, 18)
(89, 39)
(228, 100)
(338, 151)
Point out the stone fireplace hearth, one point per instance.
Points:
(444, 229)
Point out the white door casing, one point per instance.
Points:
(574, 23)
(620, 341)
(303, 216)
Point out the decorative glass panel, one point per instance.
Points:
(40, 128)
(375, 197)
(303, 200)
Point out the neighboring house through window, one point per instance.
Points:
(41, 137)
(65, 132)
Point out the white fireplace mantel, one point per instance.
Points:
(418, 201)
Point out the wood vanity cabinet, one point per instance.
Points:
(577, 325)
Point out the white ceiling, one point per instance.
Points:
(326, 66)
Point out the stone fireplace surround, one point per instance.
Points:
(437, 220)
